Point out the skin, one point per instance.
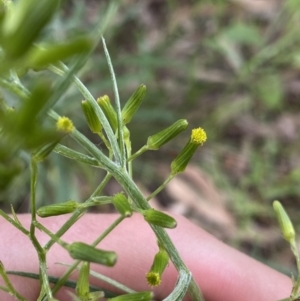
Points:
(223, 273)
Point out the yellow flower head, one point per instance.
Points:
(198, 136)
(153, 278)
(65, 125)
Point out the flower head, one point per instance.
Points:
(65, 125)
(153, 279)
(198, 136)
(160, 262)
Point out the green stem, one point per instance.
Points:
(118, 105)
(128, 154)
(68, 283)
(50, 234)
(45, 286)
(103, 183)
(10, 289)
(15, 87)
(14, 223)
(74, 155)
(96, 201)
(161, 187)
(66, 275)
(102, 137)
(138, 153)
(112, 282)
(295, 291)
(78, 213)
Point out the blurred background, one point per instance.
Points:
(231, 67)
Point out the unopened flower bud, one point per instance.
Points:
(121, 203)
(284, 221)
(159, 218)
(133, 104)
(160, 263)
(85, 252)
(154, 142)
(91, 117)
(141, 296)
(109, 111)
(42, 153)
(179, 164)
(82, 286)
(65, 125)
(57, 209)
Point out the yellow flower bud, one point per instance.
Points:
(284, 221)
(133, 104)
(122, 205)
(153, 278)
(141, 296)
(154, 142)
(159, 218)
(65, 125)
(91, 117)
(198, 137)
(85, 252)
(160, 263)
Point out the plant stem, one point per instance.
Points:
(160, 188)
(14, 223)
(101, 185)
(295, 291)
(10, 289)
(45, 286)
(138, 153)
(66, 275)
(74, 155)
(118, 105)
(49, 233)
(78, 213)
